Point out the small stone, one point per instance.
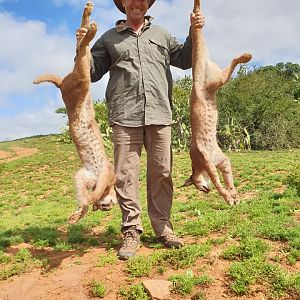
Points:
(158, 289)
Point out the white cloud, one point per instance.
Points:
(268, 29)
(31, 122)
(27, 52)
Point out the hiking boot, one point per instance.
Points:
(131, 243)
(170, 240)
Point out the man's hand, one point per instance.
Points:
(197, 20)
(80, 33)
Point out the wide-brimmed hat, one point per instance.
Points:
(121, 8)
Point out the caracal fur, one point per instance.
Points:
(94, 181)
(206, 155)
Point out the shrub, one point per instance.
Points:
(64, 137)
(234, 137)
(139, 266)
(265, 101)
(97, 289)
(293, 179)
(258, 109)
(184, 283)
(134, 292)
(181, 129)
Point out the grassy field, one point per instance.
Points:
(250, 251)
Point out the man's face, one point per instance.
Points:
(135, 9)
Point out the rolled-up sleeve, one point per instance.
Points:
(181, 54)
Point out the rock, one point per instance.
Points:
(158, 289)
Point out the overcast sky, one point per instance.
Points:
(39, 36)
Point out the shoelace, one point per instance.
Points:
(170, 237)
(130, 238)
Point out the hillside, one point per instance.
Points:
(250, 251)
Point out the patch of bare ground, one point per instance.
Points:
(66, 278)
(16, 153)
(297, 215)
(278, 254)
(280, 190)
(69, 273)
(248, 195)
(4, 154)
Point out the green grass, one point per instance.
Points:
(38, 196)
(255, 270)
(20, 263)
(139, 266)
(134, 292)
(183, 284)
(108, 258)
(180, 258)
(160, 260)
(97, 289)
(259, 239)
(247, 248)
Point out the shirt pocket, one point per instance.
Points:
(118, 53)
(159, 52)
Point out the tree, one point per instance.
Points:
(258, 109)
(264, 101)
(181, 129)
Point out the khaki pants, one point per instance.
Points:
(128, 143)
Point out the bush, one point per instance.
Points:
(265, 102)
(184, 283)
(181, 129)
(64, 137)
(293, 179)
(258, 109)
(234, 137)
(97, 289)
(134, 292)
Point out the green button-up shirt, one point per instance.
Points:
(139, 90)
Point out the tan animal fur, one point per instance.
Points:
(205, 153)
(94, 182)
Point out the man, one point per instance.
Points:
(138, 56)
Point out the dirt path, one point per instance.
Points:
(67, 279)
(71, 272)
(70, 276)
(16, 153)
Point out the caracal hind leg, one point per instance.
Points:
(225, 167)
(84, 180)
(85, 22)
(214, 176)
(87, 11)
(92, 30)
(227, 72)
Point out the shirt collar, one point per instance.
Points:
(121, 24)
